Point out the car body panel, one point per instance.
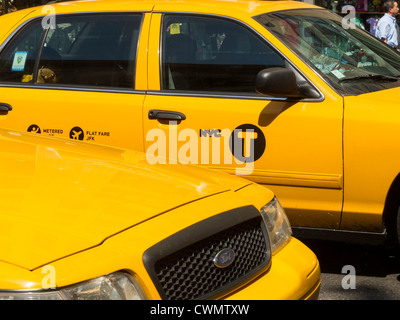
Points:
(76, 200)
(313, 158)
(87, 209)
(371, 161)
(8, 22)
(294, 273)
(301, 130)
(69, 214)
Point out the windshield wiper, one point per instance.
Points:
(371, 76)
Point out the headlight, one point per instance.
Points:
(114, 286)
(277, 223)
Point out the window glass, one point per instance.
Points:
(90, 51)
(350, 59)
(211, 54)
(17, 61)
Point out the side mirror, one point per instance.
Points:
(282, 82)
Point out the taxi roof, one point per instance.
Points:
(242, 7)
(238, 9)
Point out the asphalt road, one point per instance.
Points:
(372, 273)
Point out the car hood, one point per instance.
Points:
(60, 197)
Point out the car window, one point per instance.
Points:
(212, 54)
(83, 50)
(17, 62)
(343, 55)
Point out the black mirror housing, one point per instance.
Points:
(282, 82)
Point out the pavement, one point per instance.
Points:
(357, 272)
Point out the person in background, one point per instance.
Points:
(387, 29)
(7, 6)
(373, 23)
(11, 9)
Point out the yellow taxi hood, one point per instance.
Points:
(60, 197)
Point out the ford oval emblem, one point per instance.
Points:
(224, 258)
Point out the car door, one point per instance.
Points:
(203, 110)
(79, 79)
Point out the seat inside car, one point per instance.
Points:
(179, 55)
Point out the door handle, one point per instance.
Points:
(4, 108)
(166, 115)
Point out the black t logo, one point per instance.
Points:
(247, 143)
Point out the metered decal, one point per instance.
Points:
(52, 132)
(19, 61)
(34, 128)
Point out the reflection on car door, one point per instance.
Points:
(204, 110)
(76, 81)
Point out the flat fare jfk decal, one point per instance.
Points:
(242, 146)
(76, 133)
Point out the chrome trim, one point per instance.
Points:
(220, 261)
(341, 235)
(322, 97)
(35, 290)
(72, 88)
(227, 96)
(161, 92)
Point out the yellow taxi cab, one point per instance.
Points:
(284, 93)
(86, 222)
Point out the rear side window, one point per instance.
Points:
(17, 61)
(89, 51)
(212, 54)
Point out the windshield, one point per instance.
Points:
(350, 59)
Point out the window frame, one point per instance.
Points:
(72, 87)
(232, 95)
(4, 46)
(339, 89)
